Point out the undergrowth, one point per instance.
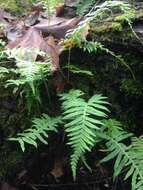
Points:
(85, 119)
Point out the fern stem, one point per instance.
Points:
(69, 60)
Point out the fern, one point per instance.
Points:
(77, 36)
(39, 131)
(31, 74)
(83, 6)
(129, 157)
(76, 70)
(98, 12)
(83, 119)
(3, 72)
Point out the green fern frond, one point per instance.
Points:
(83, 119)
(39, 131)
(76, 70)
(30, 74)
(3, 72)
(129, 157)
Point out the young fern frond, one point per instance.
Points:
(129, 157)
(83, 119)
(40, 129)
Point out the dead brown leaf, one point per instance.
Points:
(57, 26)
(33, 39)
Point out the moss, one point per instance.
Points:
(130, 16)
(9, 161)
(107, 27)
(10, 5)
(124, 17)
(116, 26)
(111, 32)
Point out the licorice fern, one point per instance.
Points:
(129, 157)
(83, 119)
(41, 127)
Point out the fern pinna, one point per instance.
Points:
(129, 157)
(39, 131)
(83, 119)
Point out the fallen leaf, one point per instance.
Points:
(57, 171)
(34, 40)
(57, 26)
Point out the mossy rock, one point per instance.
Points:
(119, 28)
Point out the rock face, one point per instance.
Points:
(116, 29)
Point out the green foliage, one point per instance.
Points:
(101, 11)
(85, 126)
(78, 35)
(132, 87)
(3, 72)
(83, 6)
(2, 43)
(76, 70)
(83, 119)
(51, 5)
(15, 6)
(41, 127)
(92, 47)
(127, 156)
(30, 75)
